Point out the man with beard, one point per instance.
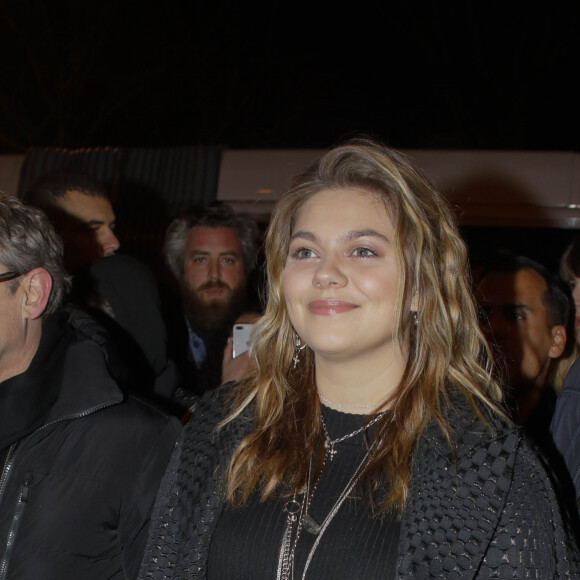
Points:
(211, 252)
(525, 315)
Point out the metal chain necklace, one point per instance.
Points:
(351, 407)
(299, 511)
(330, 443)
(334, 510)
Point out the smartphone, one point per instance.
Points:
(241, 339)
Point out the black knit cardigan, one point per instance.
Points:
(487, 509)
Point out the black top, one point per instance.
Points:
(480, 505)
(355, 545)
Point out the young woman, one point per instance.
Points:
(368, 441)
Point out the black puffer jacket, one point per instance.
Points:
(484, 510)
(80, 465)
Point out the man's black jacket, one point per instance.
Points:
(80, 464)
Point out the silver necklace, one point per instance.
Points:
(353, 407)
(298, 512)
(334, 510)
(330, 443)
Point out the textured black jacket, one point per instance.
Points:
(489, 511)
(80, 466)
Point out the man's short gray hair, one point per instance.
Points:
(215, 216)
(28, 241)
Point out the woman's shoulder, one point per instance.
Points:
(539, 513)
(206, 422)
(476, 449)
(494, 485)
(467, 427)
(207, 408)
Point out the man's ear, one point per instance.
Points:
(558, 341)
(37, 285)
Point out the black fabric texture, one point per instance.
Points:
(131, 290)
(483, 507)
(79, 483)
(356, 545)
(195, 381)
(16, 419)
(122, 294)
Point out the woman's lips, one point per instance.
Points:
(330, 307)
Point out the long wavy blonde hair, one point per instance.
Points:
(446, 350)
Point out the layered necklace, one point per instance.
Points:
(297, 512)
(349, 407)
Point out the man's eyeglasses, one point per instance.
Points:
(6, 276)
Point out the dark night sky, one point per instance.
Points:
(418, 75)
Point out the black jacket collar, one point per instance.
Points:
(67, 377)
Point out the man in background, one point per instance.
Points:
(211, 253)
(80, 210)
(80, 462)
(526, 315)
(117, 290)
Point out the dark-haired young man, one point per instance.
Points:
(117, 289)
(526, 314)
(80, 209)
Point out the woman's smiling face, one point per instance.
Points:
(341, 276)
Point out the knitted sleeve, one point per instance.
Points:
(189, 502)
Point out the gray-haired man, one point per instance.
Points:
(211, 252)
(80, 462)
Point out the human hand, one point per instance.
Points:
(234, 369)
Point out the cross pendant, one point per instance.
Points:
(330, 449)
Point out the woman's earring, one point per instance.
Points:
(415, 318)
(299, 347)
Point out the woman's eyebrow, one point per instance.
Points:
(303, 234)
(355, 234)
(348, 236)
